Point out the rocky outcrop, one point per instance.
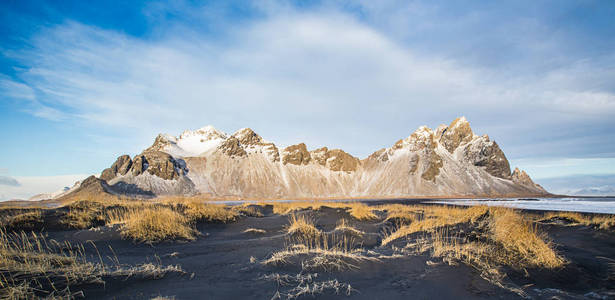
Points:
(296, 155)
(232, 147)
(154, 162)
(121, 166)
(161, 142)
(379, 155)
(487, 154)
(272, 151)
(338, 160)
(522, 178)
(160, 164)
(456, 134)
(432, 166)
(335, 159)
(247, 136)
(320, 155)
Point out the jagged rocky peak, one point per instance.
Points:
(520, 177)
(158, 163)
(320, 155)
(272, 151)
(208, 132)
(232, 147)
(296, 155)
(335, 159)
(162, 141)
(202, 134)
(456, 134)
(380, 155)
(247, 136)
(121, 166)
(245, 141)
(483, 152)
(421, 138)
(154, 162)
(338, 160)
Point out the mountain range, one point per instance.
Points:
(449, 161)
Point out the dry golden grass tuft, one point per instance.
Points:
(432, 217)
(22, 219)
(521, 240)
(401, 213)
(301, 225)
(357, 210)
(361, 211)
(92, 212)
(155, 224)
(321, 251)
(247, 210)
(508, 238)
(599, 221)
(344, 227)
(34, 267)
(84, 214)
(283, 208)
(209, 212)
(170, 218)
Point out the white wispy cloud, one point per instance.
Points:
(323, 77)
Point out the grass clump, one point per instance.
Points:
(521, 240)
(319, 251)
(23, 220)
(433, 217)
(196, 212)
(84, 214)
(344, 227)
(32, 267)
(361, 211)
(148, 221)
(301, 225)
(357, 210)
(575, 218)
(505, 237)
(155, 224)
(248, 210)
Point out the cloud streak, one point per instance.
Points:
(9, 181)
(326, 77)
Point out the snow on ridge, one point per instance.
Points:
(195, 142)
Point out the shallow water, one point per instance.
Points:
(590, 205)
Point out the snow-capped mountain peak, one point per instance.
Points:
(451, 160)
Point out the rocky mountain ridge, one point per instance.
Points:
(448, 161)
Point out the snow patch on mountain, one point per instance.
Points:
(194, 143)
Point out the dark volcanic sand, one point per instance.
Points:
(218, 265)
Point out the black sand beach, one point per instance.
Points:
(226, 262)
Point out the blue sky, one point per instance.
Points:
(83, 82)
